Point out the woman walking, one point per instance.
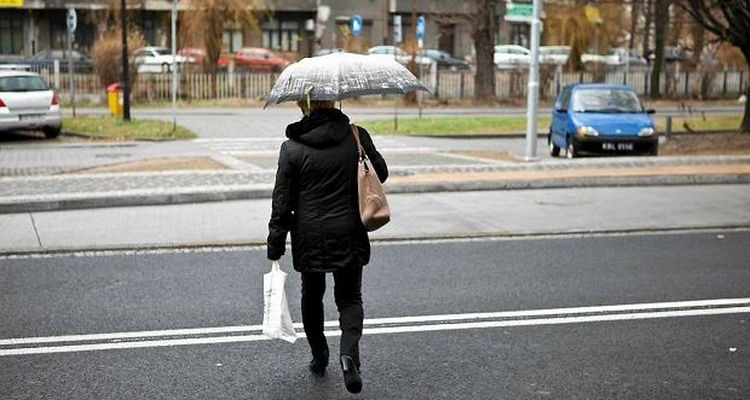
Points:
(315, 198)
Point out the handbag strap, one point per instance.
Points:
(360, 150)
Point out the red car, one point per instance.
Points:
(198, 56)
(260, 59)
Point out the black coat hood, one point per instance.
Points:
(321, 128)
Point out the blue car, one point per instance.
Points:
(601, 118)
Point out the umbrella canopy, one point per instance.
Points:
(341, 75)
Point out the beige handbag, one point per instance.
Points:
(373, 206)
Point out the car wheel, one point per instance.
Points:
(554, 151)
(165, 67)
(570, 149)
(51, 133)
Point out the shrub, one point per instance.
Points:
(106, 55)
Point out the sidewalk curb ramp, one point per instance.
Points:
(125, 198)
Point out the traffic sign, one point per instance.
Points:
(420, 27)
(518, 12)
(72, 20)
(356, 25)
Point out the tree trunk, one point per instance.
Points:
(745, 125)
(699, 41)
(649, 13)
(635, 12)
(661, 14)
(484, 79)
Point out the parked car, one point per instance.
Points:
(260, 59)
(156, 59)
(445, 59)
(619, 57)
(46, 59)
(554, 54)
(322, 52)
(26, 102)
(400, 55)
(601, 118)
(195, 55)
(511, 56)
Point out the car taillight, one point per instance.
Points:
(2, 103)
(55, 99)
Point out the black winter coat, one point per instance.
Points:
(315, 195)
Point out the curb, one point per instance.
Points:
(261, 244)
(202, 195)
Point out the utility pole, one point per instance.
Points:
(533, 88)
(125, 69)
(174, 65)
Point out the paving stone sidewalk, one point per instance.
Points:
(53, 192)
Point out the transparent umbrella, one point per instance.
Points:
(338, 76)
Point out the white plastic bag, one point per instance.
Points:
(277, 322)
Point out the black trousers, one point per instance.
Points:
(348, 295)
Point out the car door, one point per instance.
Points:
(560, 117)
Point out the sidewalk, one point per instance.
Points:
(410, 173)
(415, 215)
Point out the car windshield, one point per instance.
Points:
(22, 84)
(606, 101)
(163, 52)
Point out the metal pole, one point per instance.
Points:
(174, 65)
(125, 69)
(71, 83)
(533, 86)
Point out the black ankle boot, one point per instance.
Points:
(318, 367)
(352, 380)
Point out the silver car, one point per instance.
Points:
(26, 102)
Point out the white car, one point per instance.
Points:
(26, 102)
(621, 57)
(155, 59)
(511, 56)
(400, 55)
(554, 54)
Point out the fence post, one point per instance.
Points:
(437, 83)
(668, 128)
(724, 86)
(580, 77)
(687, 83)
(461, 86)
(646, 78)
(742, 73)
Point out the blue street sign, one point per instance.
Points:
(420, 27)
(356, 24)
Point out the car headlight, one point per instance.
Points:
(587, 131)
(647, 131)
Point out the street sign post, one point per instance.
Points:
(356, 25)
(72, 22)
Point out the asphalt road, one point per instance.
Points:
(672, 357)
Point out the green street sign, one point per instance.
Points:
(518, 12)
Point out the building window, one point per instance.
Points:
(11, 36)
(232, 39)
(281, 35)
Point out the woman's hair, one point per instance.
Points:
(315, 105)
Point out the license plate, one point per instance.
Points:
(617, 146)
(31, 117)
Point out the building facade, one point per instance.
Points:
(288, 26)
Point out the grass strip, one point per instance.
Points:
(478, 125)
(111, 127)
(487, 125)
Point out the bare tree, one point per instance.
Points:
(649, 16)
(206, 19)
(729, 20)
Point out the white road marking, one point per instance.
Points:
(398, 325)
